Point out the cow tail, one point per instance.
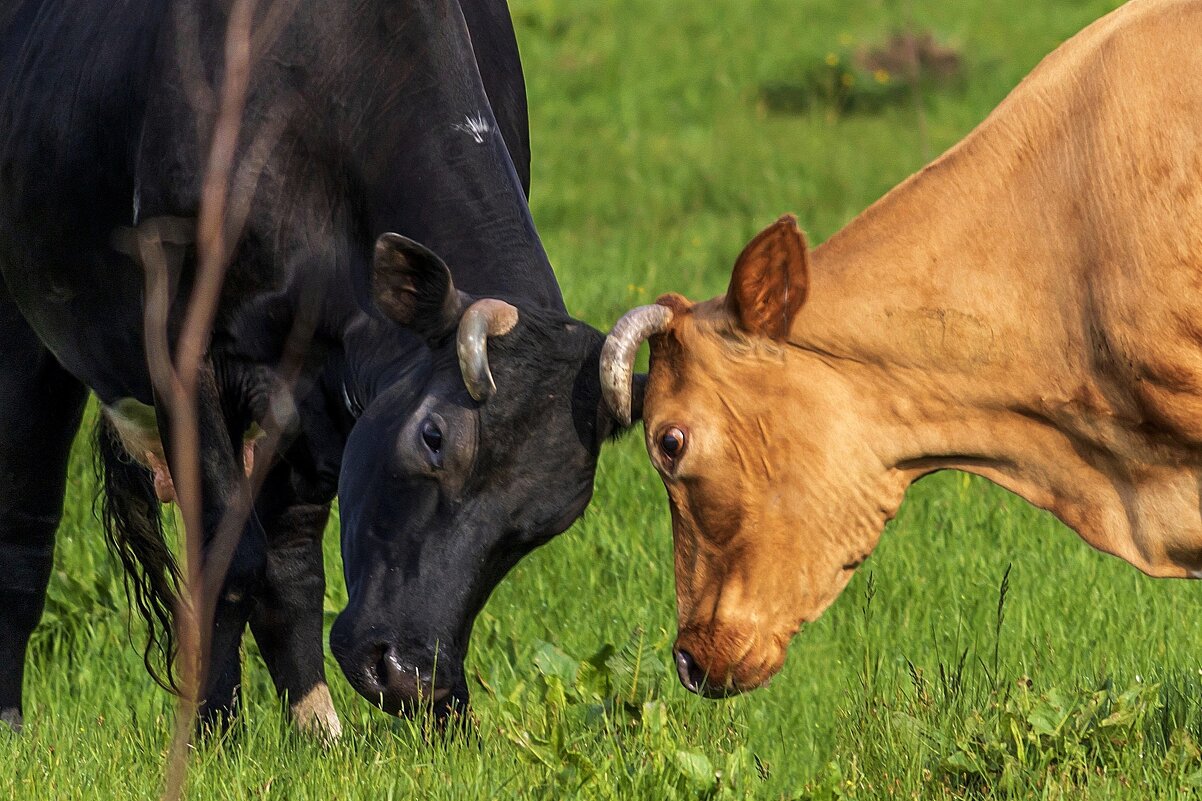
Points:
(129, 510)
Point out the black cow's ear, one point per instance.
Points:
(413, 287)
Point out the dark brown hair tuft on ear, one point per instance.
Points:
(770, 280)
(678, 303)
(413, 287)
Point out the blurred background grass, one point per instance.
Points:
(665, 134)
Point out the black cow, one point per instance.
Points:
(455, 409)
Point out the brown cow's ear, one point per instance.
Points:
(770, 280)
(413, 287)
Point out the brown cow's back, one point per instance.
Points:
(1087, 182)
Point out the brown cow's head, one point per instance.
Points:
(776, 495)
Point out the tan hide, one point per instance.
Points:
(1026, 308)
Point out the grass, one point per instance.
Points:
(983, 651)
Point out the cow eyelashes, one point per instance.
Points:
(672, 443)
(431, 441)
(432, 437)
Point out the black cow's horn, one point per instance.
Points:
(483, 319)
(617, 356)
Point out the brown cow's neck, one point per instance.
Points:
(960, 308)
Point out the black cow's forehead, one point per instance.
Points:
(544, 353)
(543, 345)
(547, 379)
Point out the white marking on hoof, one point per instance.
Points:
(1197, 574)
(314, 715)
(12, 718)
(475, 127)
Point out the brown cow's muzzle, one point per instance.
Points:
(719, 662)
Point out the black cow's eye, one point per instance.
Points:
(671, 443)
(432, 436)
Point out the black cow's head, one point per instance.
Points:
(461, 462)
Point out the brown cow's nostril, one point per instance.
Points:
(691, 674)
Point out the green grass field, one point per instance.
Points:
(665, 134)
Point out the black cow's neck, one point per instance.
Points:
(431, 161)
(386, 127)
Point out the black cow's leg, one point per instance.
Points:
(287, 620)
(40, 409)
(222, 481)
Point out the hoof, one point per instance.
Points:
(11, 718)
(216, 722)
(314, 716)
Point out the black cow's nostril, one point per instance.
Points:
(378, 669)
(394, 684)
(691, 674)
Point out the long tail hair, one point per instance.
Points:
(134, 532)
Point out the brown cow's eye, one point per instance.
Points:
(671, 443)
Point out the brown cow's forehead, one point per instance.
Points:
(702, 363)
(702, 383)
(676, 354)
(679, 390)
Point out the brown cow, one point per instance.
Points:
(1026, 308)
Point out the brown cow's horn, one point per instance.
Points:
(617, 356)
(483, 319)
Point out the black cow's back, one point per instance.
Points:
(76, 74)
(101, 132)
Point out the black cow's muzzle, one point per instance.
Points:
(397, 684)
(400, 677)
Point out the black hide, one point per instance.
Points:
(361, 119)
